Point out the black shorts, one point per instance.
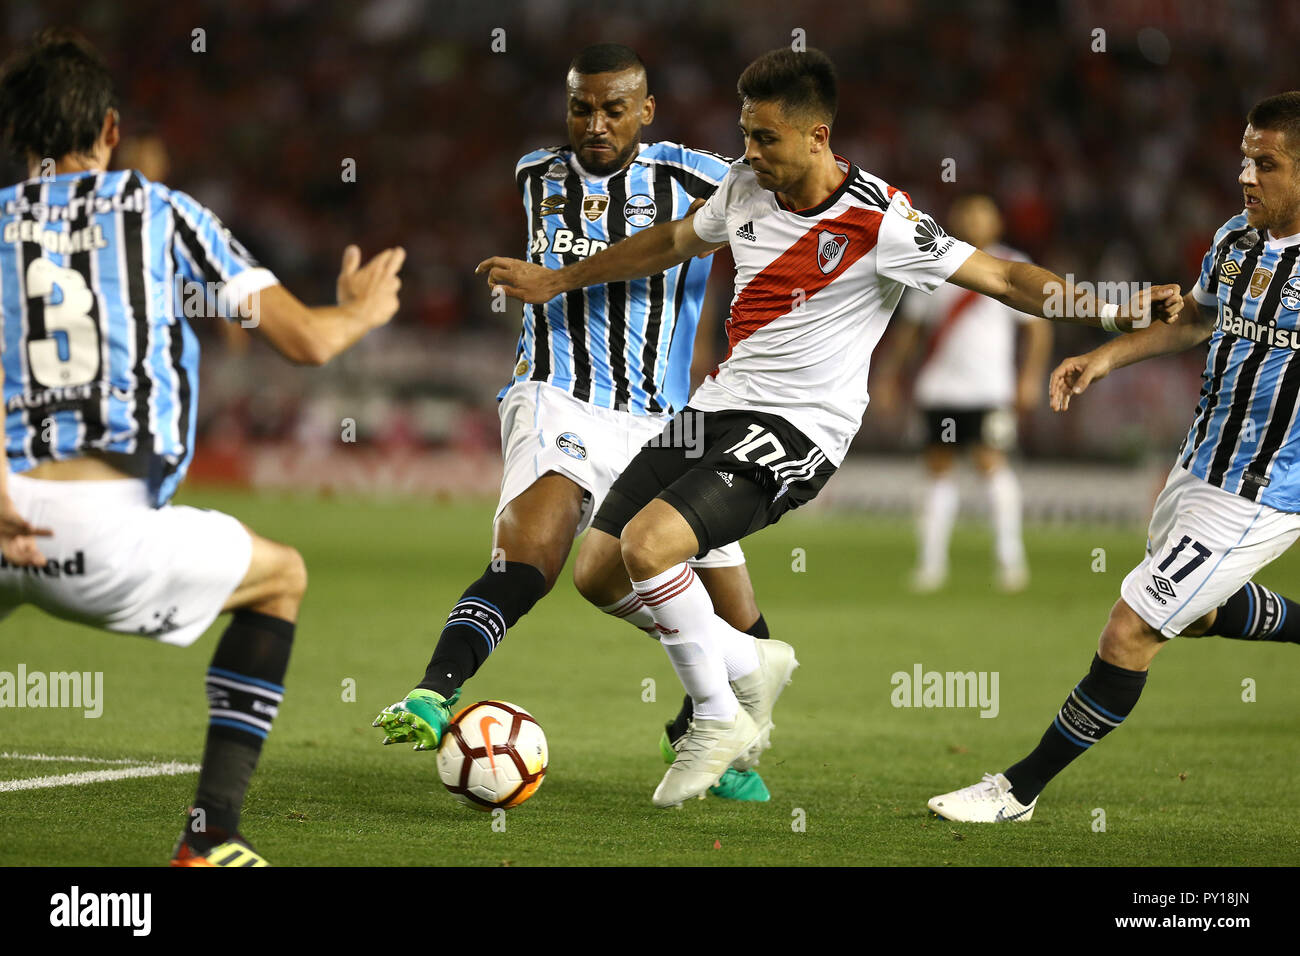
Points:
(994, 427)
(728, 473)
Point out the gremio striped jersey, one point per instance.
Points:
(97, 273)
(1244, 437)
(625, 345)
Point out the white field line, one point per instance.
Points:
(169, 769)
(130, 761)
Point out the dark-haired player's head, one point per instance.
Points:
(975, 218)
(57, 102)
(608, 102)
(787, 106)
(1270, 166)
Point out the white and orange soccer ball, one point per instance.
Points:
(493, 755)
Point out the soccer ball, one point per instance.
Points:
(493, 755)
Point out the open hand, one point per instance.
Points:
(18, 538)
(1073, 376)
(371, 288)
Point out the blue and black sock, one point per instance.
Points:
(1097, 705)
(245, 684)
(679, 724)
(1257, 614)
(488, 608)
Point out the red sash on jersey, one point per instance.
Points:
(955, 312)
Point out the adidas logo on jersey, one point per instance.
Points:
(747, 231)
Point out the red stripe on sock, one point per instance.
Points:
(634, 605)
(650, 596)
(664, 598)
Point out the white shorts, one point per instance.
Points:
(545, 429)
(117, 563)
(1203, 545)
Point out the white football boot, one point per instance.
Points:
(704, 753)
(928, 580)
(989, 801)
(758, 692)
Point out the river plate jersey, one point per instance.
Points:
(97, 271)
(815, 289)
(625, 345)
(1244, 437)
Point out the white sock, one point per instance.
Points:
(938, 512)
(1005, 507)
(634, 611)
(684, 613)
(739, 650)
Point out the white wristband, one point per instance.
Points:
(1108, 312)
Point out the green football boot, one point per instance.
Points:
(423, 717)
(743, 785)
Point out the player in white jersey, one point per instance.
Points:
(86, 532)
(969, 393)
(823, 252)
(595, 375)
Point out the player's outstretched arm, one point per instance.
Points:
(1035, 351)
(367, 297)
(1074, 375)
(648, 253)
(1026, 287)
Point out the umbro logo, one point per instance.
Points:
(747, 232)
(1163, 586)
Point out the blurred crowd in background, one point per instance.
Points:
(1112, 164)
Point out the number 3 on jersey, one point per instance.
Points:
(69, 353)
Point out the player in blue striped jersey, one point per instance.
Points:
(625, 346)
(100, 273)
(598, 372)
(1232, 501)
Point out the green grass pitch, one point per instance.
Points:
(1198, 776)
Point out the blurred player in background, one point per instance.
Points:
(598, 372)
(1231, 504)
(970, 395)
(823, 251)
(98, 272)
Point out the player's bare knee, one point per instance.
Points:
(1128, 641)
(641, 547)
(293, 574)
(988, 460)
